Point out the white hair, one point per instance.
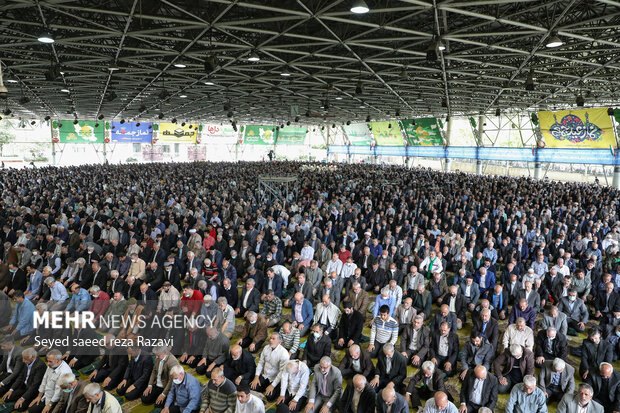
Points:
(92, 389)
(529, 380)
(559, 364)
(428, 365)
(65, 380)
(177, 370)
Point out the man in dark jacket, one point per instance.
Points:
(110, 369)
(424, 384)
(476, 352)
(479, 389)
(444, 349)
(549, 345)
(318, 345)
(25, 388)
(350, 329)
(594, 351)
(505, 370)
(357, 361)
(239, 366)
(391, 369)
(366, 399)
(415, 342)
(137, 374)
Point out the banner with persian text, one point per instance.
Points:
(172, 132)
(291, 135)
(260, 135)
(85, 131)
(358, 134)
(387, 134)
(131, 132)
(422, 132)
(579, 128)
(221, 134)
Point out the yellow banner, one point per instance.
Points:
(580, 128)
(172, 132)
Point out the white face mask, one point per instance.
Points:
(188, 295)
(177, 381)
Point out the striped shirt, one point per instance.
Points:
(384, 331)
(222, 399)
(290, 341)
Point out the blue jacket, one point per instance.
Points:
(390, 302)
(23, 319)
(306, 312)
(35, 283)
(80, 301)
(186, 395)
(276, 285)
(489, 282)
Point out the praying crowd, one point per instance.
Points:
(372, 289)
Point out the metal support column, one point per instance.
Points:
(616, 180)
(448, 163)
(537, 170)
(478, 167)
(54, 153)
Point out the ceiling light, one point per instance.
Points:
(441, 45)
(45, 37)
(112, 68)
(254, 57)
(65, 90)
(100, 117)
(180, 65)
(359, 7)
(160, 116)
(174, 120)
(285, 74)
(75, 122)
(362, 107)
(11, 81)
(554, 41)
(183, 96)
(208, 83)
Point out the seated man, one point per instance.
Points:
(247, 402)
(512, 365)
(384, 330)
(606, 387)
(358, 297)
(318, 346)
(415, 342)
(216, 347)
(391, 402)
(10, 362)
(440, 403)
(523, 310)
(531, 297)
(270, 366)
(110, 368)
(327, 315)
(350, 329)
(424, 384)
(160, 381)
(555, 318)
(80, 300)
(526, 397)
(385, 298)
(594, 351)
(137, 374)
(444, 349)
(220, 395)
(290, 339)
(576, 312)
(477, 352)
(254, 332)
(456, 303)
(239, 366)
(72, 398)
(471, 292)
(272, 309)
(358, 397)
(100, 398)
(519, 333)
(479, 389)
(184, 395)
(488, 327)
(326, 387)
(556, 378)
(357, 361)
(499, 300)
(580, 401)
(391, 369)
(25, 387)
(293, 387)
(444, 315)
(422, 301)
(404, 314)
(22, 321)
(549, 345)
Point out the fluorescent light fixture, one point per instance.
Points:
(208, 83)
(285, 74)
(45, 37)
(554, 41)
(64, 90)
(183, 96)
(180, 65)
(359, 7)
(338, 97)
(254, 57)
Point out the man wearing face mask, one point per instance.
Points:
(184, 395)
(72, 399)
(100, 401)
(317, 346)
(576, 312)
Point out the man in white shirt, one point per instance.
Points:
(49, 390)
(334, 265)
(270, 366)
(247, 402)
(294, 387)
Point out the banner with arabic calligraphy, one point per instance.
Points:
(131, 132)
(422, 132)
(221, 134)
(581, 128)
(358, 134)
(174, 132)
(291, 135)
(85, 131)
(387, 134)
(260, 135)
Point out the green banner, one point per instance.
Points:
(422, 132)
(291, 135)
(84, 131)
(387, 134)
(259, 135)
(358, 134)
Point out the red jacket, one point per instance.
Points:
(100, 304)
(344, 255)
(192, 303)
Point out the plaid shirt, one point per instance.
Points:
(272, 309)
